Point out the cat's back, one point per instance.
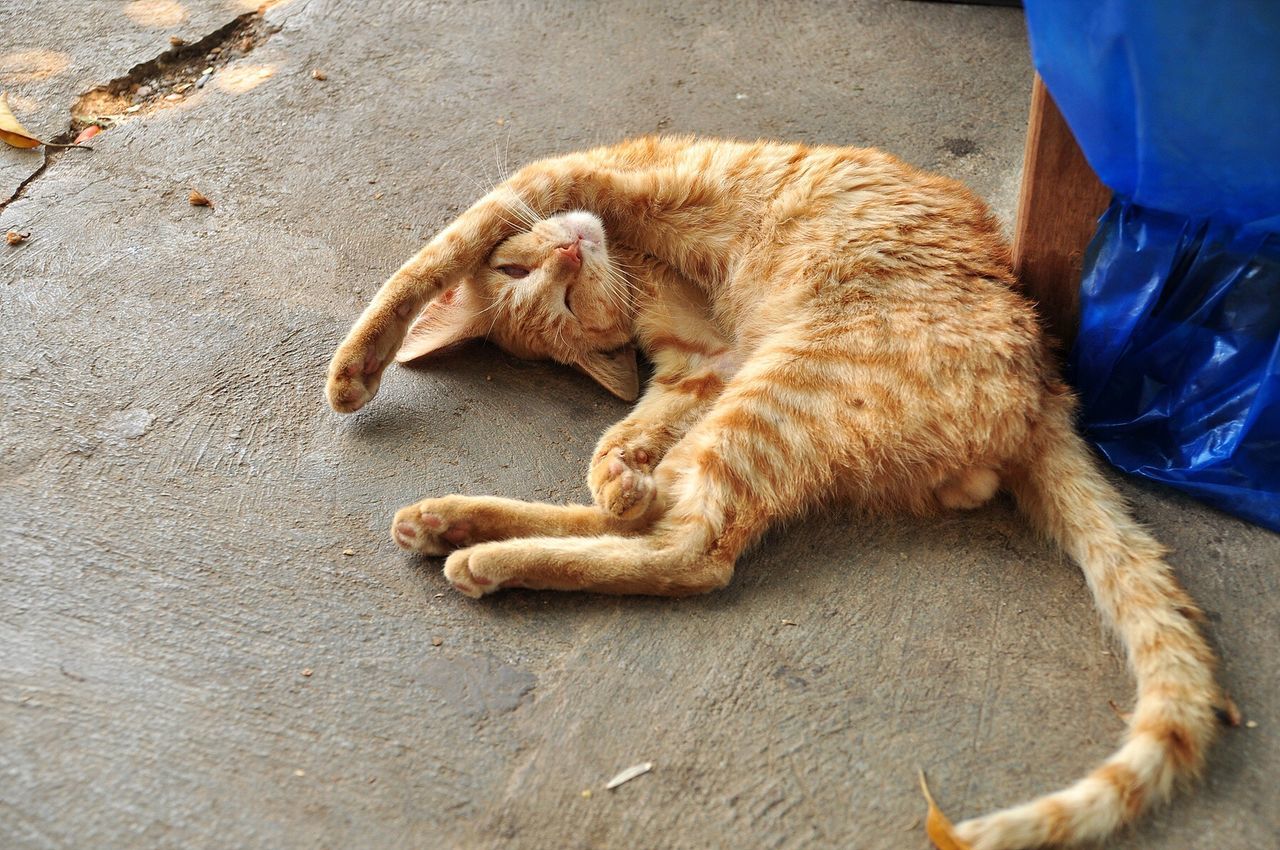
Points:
(892, 240)
(801, 197)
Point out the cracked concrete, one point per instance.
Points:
(188, 532)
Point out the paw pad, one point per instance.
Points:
(428, 532)
(619, 486)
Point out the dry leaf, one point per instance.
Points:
(88, 133)
(937, 826)
(628, 775)
(199, 200)
(13, 237)
(13, 133)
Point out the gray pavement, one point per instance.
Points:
(206, 636)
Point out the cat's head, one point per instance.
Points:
(551, 292)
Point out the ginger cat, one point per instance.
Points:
(825, 324)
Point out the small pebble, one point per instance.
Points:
(172, 97)
(586, 793)
(145, 91)
(299, 773)
(1251, 724)
(133, 108)
(177, 41)
(204, 78)
(348, 552)
(307, 671)
(13, 237)
(317, 74)
(435, 641)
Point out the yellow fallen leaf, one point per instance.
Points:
(937, 826)
(13, 133)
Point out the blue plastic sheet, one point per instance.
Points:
(1178, 357)
(1176, 105)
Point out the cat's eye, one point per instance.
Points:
(514, 271)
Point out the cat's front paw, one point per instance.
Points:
(354, 376)
(431, 527)
(621, 482)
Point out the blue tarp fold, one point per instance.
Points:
(1176, 105)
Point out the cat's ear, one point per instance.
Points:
(615, 370)
(454, 316)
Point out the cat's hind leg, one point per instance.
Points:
(969, 489)
(440, 525)
(767, 449)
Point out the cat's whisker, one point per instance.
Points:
(532, 215)
(497, 302)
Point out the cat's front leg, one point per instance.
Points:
(621, 474)
(355, 370)
(621, 477)
(356, 367)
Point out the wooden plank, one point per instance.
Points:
(1058, 208)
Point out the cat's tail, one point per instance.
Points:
(1174, 719)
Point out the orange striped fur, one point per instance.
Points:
(824, 324)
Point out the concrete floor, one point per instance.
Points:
(206, 637)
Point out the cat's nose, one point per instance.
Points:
(571, 253)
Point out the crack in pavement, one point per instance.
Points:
(157, 83)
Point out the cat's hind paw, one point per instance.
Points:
(427, 528)
(621, 482)
(465, 576)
